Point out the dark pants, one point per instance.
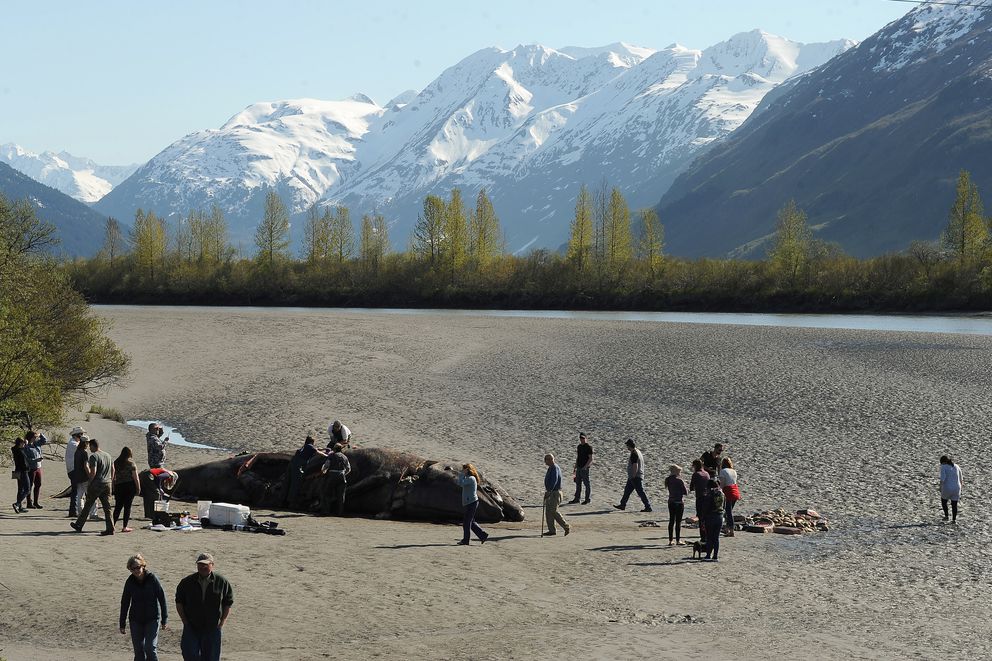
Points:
(294, 480)
(144, 639)
(728, 512)
(701, 519)
(954, 508)
(713, 522)
(675, 512)
(124, 493)
(96, 491)
(35, 477)
(581, 477)
(73, 494)
(332, 493)
(200, 644)
(469, 525)
(634, 484)
(23, 487)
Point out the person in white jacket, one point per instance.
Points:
(75, 436)
(950, 486)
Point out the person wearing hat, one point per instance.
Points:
(635, 478)
(156, 445)
(75, 437)
(203, 601)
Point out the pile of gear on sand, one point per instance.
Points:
(778, 521)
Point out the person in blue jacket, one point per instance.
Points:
(143, 606)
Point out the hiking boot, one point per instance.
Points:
(106, 532)
(620, 507)
(574, 501)
(17, 508)
(585, 502)
(549, 534)
(75, 526)
(463, 543)
(647, 509)
(568, 530)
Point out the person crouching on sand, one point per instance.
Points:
(469, 480)
(950, 486)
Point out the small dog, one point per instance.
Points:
(698, 549)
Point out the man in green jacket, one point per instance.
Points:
(203, 601)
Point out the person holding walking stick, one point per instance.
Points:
(552, 497)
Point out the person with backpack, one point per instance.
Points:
(713, 503)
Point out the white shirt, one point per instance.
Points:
(345, 433)
(70, 454)
(728, 476)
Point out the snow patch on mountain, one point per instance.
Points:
(75, 176)
(925, 31)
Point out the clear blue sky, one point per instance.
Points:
(118, 81)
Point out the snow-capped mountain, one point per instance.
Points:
(529, 124)
(869, 144)
(75, 176)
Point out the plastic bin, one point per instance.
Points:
(203, 509)
(161, 506)
(223, 514)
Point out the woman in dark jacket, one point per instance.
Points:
(144, 597)
(21, 469)
(126, 487)
(81, 460)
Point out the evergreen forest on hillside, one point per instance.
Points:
(614, 260)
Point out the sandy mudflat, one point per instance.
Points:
(848, 422)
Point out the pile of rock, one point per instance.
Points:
(782, 522)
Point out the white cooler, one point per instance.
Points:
(222, 514)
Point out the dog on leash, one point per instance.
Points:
(698, 549)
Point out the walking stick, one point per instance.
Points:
(544, 503)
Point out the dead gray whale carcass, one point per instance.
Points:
(383, 483)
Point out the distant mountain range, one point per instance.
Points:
(77, 177)
(80, 228)
(529, 124)
(870, 145)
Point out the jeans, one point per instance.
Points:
(73, 495)
(332, 493)
(23, 487)
(728, 512)
(124, 493)
(581, 477)
(634, 484)
(675, 512)
(469, 525)
(95, 491)
(713, 535)
(954, 508)
(200, 644)
(144, 639)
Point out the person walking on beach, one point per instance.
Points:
(33, 456)
(21, 474)
(677, 491)
(583, 461)
(143, 607)
(203, 601)
(698, 485)
(156, 445)
(126, 487)
(553, 497)
(468, 480)
(950, 486)
(332, 493)
(100, 469)
(713, 502)
(81, 459)
(635, 478)
(711, 459)
(75, 437)
(731, 493)
(338, 433)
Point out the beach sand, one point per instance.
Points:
(850, 423)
